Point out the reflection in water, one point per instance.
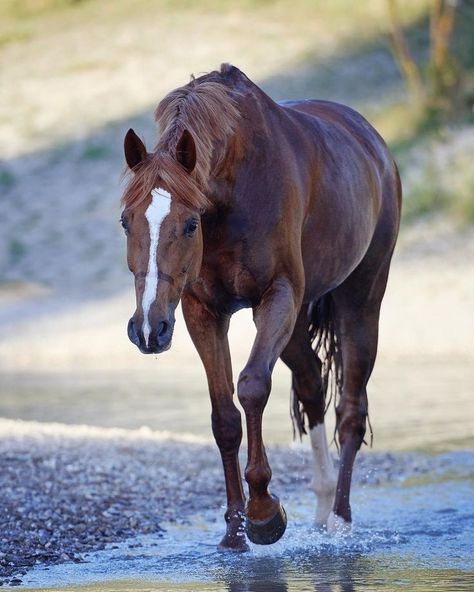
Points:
(319, 571)
(258, 576)
(326, 572)
(322, 573)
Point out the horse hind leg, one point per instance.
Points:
(325, 476)
(308, 390)
(357, 305)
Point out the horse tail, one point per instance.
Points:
(326, 342)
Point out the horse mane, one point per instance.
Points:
(205, 108)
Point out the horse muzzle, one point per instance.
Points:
(159, 339)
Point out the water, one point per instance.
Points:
(417, 536)
(420, 406)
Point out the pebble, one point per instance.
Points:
(64, 497)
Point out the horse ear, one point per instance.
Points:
(186, 151)
(134, 148)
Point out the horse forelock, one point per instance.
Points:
(206, 109)
(160, 169)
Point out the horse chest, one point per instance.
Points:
(227, 285)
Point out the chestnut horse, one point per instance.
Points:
(291, 209)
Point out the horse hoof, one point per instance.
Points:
(233, 546)
(336, 525)
(234, 542)
(267, 532)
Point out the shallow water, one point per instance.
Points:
(424, 406)
(417, 536)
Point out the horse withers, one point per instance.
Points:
(291, 209)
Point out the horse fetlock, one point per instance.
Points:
(235, 515)
(326, 487)
(258, 477)
(234, 538)
(325, 493)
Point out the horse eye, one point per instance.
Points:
(190, 227)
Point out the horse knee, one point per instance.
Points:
(254, 388)
(227, 429)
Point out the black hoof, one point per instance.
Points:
(267, 532)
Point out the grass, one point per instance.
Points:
(95, 152)
(24, 19)
(444, 176)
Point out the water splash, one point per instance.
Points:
(406, 537)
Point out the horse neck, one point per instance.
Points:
(222, 178)
(247, 140)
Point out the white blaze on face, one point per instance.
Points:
(156, 212)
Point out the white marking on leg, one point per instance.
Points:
(325, 476)
(156, 212)
(337, 526)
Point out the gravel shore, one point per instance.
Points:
(69, 490)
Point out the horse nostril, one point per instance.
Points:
(132, 332)
(162, 328)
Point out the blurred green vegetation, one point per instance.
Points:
(417, 131)
(7, 179)
(16, 250)
(438, 190)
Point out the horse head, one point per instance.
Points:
(164, 239)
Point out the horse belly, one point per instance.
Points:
(334, 244)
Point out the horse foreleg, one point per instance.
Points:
(209, 334)
(274, 318)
